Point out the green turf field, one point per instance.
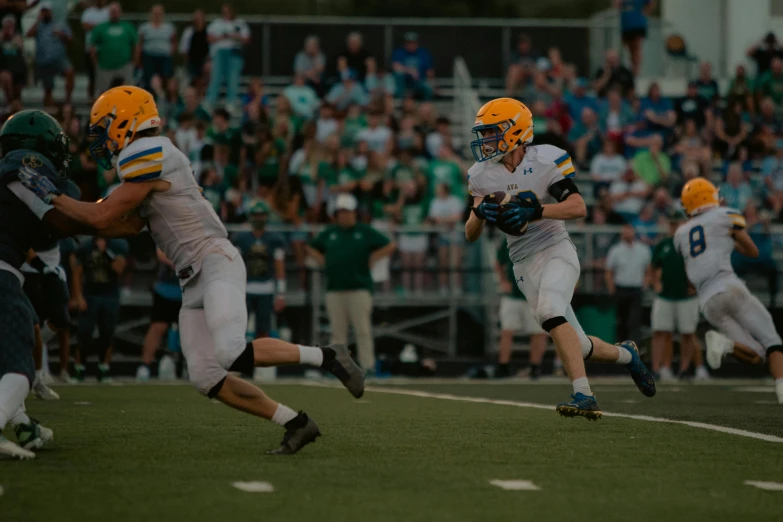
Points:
(151, 453)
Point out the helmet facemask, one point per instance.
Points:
(490, 142)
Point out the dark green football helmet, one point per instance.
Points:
(36, 131)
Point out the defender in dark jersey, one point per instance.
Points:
(32, 144)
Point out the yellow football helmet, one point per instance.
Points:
(115, 119)
(501, 126)
(699, 194)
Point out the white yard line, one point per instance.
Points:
(515, 485)
(768, 486)
(550, 407)
(254, 487)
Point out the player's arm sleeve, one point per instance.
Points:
(30, 199)
(473, 187)
(144, 165)
(736, 220)
(562, 172)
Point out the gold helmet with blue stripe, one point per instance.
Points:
(115, 119)
(501, 126)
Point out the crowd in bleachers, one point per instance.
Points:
(365, 124)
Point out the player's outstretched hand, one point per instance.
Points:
(40, 185)
(487, 211)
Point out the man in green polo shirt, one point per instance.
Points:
(516, 317)
(347, 250)
(675, 309)
(114, 51)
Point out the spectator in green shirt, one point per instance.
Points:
(347, 250)
(675, 309)
(114, 51)
(516, 317)
(653, 165)
(771, 82)
(446, 169)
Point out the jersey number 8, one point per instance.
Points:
(698, 243)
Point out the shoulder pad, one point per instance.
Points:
(15, 160)
(554, 157)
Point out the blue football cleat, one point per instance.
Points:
(641, 375)
(581, 405)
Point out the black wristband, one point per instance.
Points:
(539, 213)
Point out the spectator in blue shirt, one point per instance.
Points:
(522, 66)
(657, 112)
(578, 99)
(706, 84)
(347, 92)
(413, 68)
(772, 172)
(633, 25)
(586, 136)
(736, 191)
(51, 58)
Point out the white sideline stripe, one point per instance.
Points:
(518, 404)
(515, 485)
(254, 487)
(769, 486)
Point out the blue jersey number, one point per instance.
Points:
(698, 243)
(529, 197)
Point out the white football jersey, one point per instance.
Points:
(542, 167)
(706, 243)
(181, 221)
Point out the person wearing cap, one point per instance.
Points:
(51, 58)
(264, 255)
(347, 92)
(413, 68)
(114, 50)
(347, 249)
(675, 308)
(577, 99)
(764, 51)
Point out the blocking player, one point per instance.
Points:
(32, 143)
(706, 242)
(546, 266)
(158, 189)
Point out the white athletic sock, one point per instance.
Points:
(623, 355)
(581, 386)
(20, 417)
(779, 389)
(47, 334)
(283, 414)
(38, 374)
(310, 355)
(13, 390)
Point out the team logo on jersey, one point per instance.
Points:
(521, 279)
(32, 161)
(513, 186)
(525, 172)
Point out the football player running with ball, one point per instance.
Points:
(706, 242)
(528, 192)
(158, 190)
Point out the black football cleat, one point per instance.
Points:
(344, 368)
(299, 432)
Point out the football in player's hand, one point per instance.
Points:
(506, 202)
